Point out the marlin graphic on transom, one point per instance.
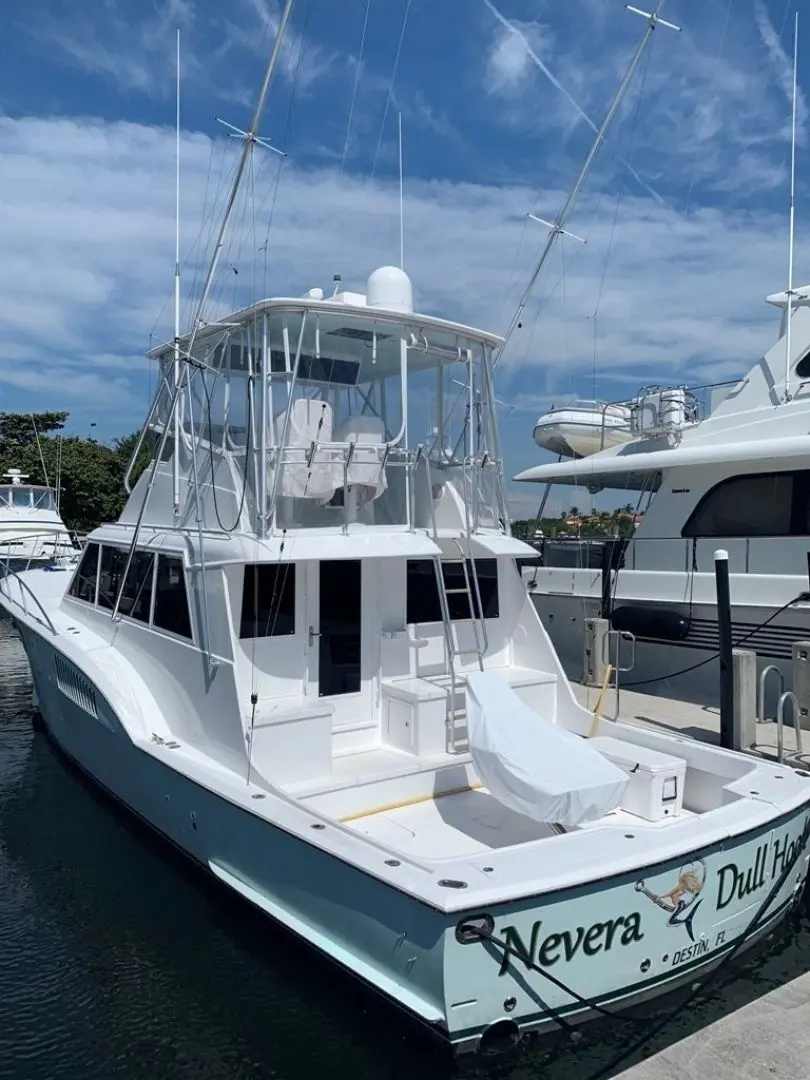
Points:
(682, 898)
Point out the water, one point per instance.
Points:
(119, 961)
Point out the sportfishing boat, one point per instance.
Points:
(319, 674)
(31, 531)
(304, 655)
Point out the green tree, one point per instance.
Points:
(20, 429)
(92, 477)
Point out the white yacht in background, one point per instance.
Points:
(31, 530)
(581, 428)
(737, 479)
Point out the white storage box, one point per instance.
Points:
(655, 788)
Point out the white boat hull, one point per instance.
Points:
(685, 670)
(613, 942)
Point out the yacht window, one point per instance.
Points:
(111, 572)
(20, 496)
(83, 585)
(4, 497)
(423, 604)
(763, 504)
(43, 500)
(802, 367)
(328, 369)
(529, 560)
(136, 599)
(171, 601)
(268, 600)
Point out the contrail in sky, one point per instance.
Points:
(552, 78)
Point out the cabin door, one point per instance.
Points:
(337, 668)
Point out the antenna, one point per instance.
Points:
(250, 136)
(175, 456)
(653, 20)
(562, 232)
(792, 216)
(401, 204)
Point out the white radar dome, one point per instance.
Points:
(389, 288)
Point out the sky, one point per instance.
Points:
(684, 213)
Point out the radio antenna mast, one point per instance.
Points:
(653, 20)
(792, 215)
(175, 456)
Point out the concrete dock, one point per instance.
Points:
(694, 721)
(769, 1037)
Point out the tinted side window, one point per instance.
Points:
(136, 599)
(111, 571)
(171, 602)
(422, 600)
(760, 505)
(268, 600)
(83, 586)
(423, 604)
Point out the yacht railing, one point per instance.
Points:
(698, 404)
(25, 590)
(674, 554)
(51, 546)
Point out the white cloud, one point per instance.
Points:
(302, 61)
(134, 48)
(88, 237)
(782, 65)
(702, 114)
(516, 47)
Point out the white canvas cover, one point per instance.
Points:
(532, 766)
(368, 435)
(310, 421)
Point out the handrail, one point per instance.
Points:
(60, 547)
(25, 588)
(46, 533)
(788, 695)
(763, 678)
(142, 436)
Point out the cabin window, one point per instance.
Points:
(802, 367)
(136, 599)
(268, 600)
(529, 560)
(423, 604)
(171, 601)
(761, 504)
(43, 500)
(83, 585)
(111, 573)
(21, 497)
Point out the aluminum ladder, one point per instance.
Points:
(471, 589)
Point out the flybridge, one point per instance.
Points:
(342, 413)
(387, 301)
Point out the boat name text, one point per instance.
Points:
(589, 941)
(736, 883)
